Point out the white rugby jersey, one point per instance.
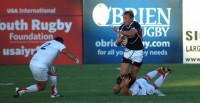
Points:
(138, 88)
(47, 53)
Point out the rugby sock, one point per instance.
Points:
(158, 82)
(53, 80)
(159, 70)
(32, 88)
(152, 74)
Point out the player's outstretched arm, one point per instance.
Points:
(70, 55)
(118, 87)
(126, 91)
(129, 33)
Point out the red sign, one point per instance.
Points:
(25, 25)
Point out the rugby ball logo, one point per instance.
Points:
(100, 14)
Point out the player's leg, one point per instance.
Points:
(158, 82)
(152, 74)
(137, 60)
(124, 68)
(134, 72)
(123, 72)
(126, 61)
(39, 86)
(164, 71)
(41, 77)
(53, 81)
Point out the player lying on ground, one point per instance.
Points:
(142, 85)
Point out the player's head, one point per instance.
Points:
(59, 39)
(128, 17)
(150, 89)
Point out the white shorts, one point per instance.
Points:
(138, 88)
(39, 74)
(133, 55)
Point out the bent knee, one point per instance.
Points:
(52, 71)
(41, 88)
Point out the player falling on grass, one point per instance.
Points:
(142, 85)
(41, 67)
(130, 33)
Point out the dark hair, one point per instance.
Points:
(130, 13)
(59, 39)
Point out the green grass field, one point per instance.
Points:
(94, 84)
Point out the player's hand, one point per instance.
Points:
(114, 28)
(78, 62)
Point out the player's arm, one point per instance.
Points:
(70, 55)
(126, 91)
(118, 87)
(129, 33)
(118, 41)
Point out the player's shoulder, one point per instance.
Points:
(135, 23)
(50, 41)
(121, 26)
(56, 43)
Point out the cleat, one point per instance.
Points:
(17, 94)
(164, 70)
(168, 70)
(57, 95)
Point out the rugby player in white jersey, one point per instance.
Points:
(41, 67)
(142, 86)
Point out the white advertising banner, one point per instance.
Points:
(191, 32)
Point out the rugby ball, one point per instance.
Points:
(124, 41)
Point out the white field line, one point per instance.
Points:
(6, 84)
(118, 68)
